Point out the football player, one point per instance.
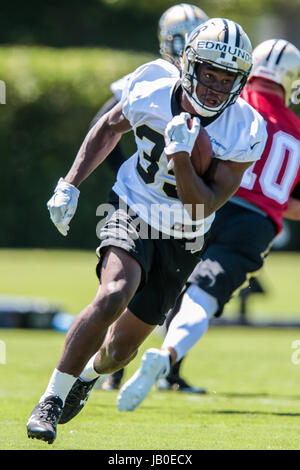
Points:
(174, 25)
(153, 236)
(244, 228)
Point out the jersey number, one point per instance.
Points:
(152, 158)
(272, 186)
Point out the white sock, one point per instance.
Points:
(89, 372)
(192, 320)
(60, 384)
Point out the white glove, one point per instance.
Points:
(178, 136)
(62, 206)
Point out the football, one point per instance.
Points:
(202, 152)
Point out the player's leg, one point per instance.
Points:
(187, 327)
(223, 271)
(239, 244)
(241, 239)
(124, 261)
(121, 343)
(123, 258)
(113, 381)
(119, 348)
(169, 281)
(120, 278)
(115, 159)
(174, 380)
(191, 322)
(119, 230)
(121, 275)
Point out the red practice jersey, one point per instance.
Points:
(269, 182)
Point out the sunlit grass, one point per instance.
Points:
(253, 385)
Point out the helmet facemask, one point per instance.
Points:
(172, 48)
(190, 80)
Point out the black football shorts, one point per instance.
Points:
(166, 263)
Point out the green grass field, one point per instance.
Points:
(253, 399)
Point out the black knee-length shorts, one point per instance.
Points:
(166, 263)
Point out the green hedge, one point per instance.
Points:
(126, 24)
(52, 95)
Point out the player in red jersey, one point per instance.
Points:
(244, 227)
(269, 182)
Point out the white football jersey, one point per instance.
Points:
(143, 181)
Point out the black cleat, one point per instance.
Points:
(113, 381)
(178, 384)
(43, 419)
(76, 399)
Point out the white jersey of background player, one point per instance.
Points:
(174, 25)
(149, 103)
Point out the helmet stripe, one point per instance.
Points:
(280, 54)
(226, 33)
(276, 50)
(232, 35)
(226, 36)
(189, 11)
(238, 36)
(271, 50)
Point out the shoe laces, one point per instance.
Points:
(49, 411)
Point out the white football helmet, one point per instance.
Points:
(278, 60)
(222, 44)
(173, 26)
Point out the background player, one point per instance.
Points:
(244, 227)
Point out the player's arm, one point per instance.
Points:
(293, 209)
(108, 105)
(221, 181)
(99, 142)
